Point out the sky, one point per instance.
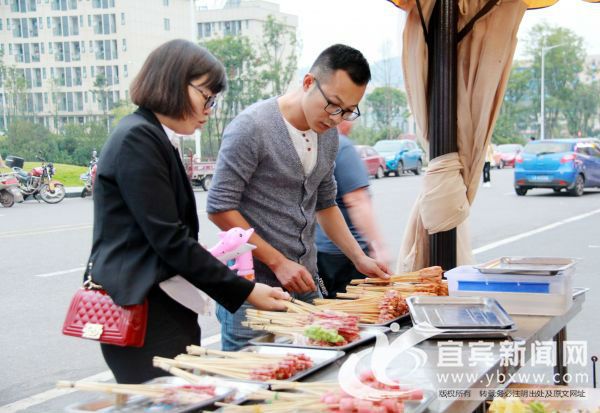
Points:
(375, 26)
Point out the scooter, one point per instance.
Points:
(90, 176)
(9, 190)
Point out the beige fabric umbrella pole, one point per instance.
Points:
(451, 182)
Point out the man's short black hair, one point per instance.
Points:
(342, 57)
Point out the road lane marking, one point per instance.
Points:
(49, 230)
(52, 274)
(54, 393)
(534, 232)
(49, 395)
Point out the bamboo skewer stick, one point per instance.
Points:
(414, 276)
(203, 351)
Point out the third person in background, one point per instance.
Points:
(355, 203)
(489, 158)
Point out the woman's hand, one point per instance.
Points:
(268, 298)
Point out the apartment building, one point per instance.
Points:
(240, 17)
(63, 47)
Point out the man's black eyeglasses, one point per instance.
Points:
(334, 109)
(211, 101)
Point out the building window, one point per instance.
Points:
(0, 24)
(124, 45)
(106, 49)
(167, 24)
(166, 3)
(23, 6)
(89, 20)
(48, 22)
(103, 4)
(125, 71)
(104, 24)
(204, 29)
(122, 19)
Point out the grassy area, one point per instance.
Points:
(67, 174)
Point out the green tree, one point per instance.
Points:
(76, 142)
(121, 109)
(244, 85)
(102, 93)
(583, 110)
(563, 65)
(278, 56)
(516, 112)
(388, 105)
(15, 90)
(29, 140)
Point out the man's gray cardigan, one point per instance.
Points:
(260, 174)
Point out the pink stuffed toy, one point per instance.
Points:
(233, 244)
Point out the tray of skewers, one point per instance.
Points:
(163, 394)
(381, 302)
(308, 326)
(254, 363)
(330, 397)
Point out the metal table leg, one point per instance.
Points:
(560, 370)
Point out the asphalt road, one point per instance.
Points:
(43, 249)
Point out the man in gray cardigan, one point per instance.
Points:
(275, 174)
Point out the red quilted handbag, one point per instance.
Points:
(93, 315)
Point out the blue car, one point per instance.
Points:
(400, 155)
(569, 164)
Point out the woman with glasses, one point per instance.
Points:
(275, 174)
(145, 220)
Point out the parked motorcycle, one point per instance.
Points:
(39, 182)
(90, 176)
(9, 190)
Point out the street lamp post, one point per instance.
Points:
(542, 114)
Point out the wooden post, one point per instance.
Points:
(442, 98)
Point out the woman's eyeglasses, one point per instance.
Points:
(211, 100)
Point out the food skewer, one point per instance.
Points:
(187, 394)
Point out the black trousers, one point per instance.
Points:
(171, 327)
(486, 172)
(336, 271)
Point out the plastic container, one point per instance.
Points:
(14, 161)
(519, 294)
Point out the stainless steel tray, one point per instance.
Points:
(526, 265)
(577, 291)
(398, 320)
(366, 334)
(459, 313)
(476, 333)
(320, 357)
(140, 404)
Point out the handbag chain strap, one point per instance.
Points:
(88, 284)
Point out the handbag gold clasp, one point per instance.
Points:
(88, 284)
